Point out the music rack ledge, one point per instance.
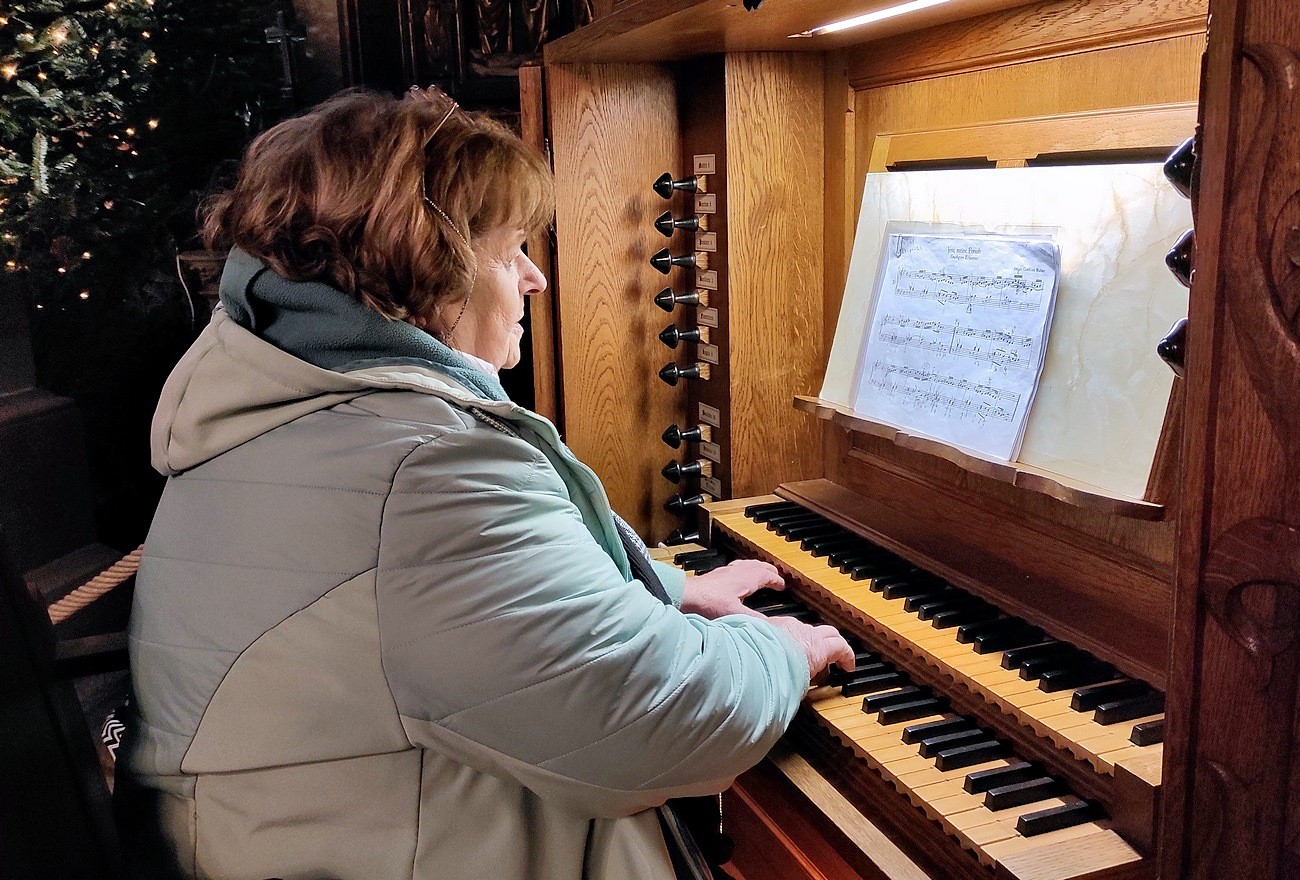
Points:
(1022, 476)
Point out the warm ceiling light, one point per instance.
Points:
(871, 17)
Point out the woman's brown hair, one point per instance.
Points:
(338, 195)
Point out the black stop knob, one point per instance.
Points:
(674, 471)
(1173, 348)
(679, 536)
(671, 336)
(1180, 167)
(667, 224)
(666, 299)
(665, 185)
(1179, 258)
(679, 505)
(664, 261)
(672, 374)
(674, 436)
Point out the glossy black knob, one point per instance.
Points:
(665, 185)
(1180, 257)
(666, 299)
(672, 374)
(674, 471)
(664, 261)
(681, 536)
(671, 336)
(1173, 348)
(667, 224)
(1180, 167)
(675, 436)
(680, 505)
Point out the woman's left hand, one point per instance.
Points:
(723, 590)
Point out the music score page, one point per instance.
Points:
(957, 336)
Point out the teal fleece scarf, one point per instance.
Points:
(329, 329)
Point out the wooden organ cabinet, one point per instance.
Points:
(1022, 633)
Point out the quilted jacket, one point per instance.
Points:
(384, 629)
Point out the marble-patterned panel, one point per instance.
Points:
(1101, 402)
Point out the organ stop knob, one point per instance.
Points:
(674, 471)
(666, 299)
(1173, 348)
(665, 185)
(1180, 167)
(1179, 258)
(680, 505)
(672, 335)
(675, 436)
(667, 224)
(672, 374)
(681, 536)
(664, 261)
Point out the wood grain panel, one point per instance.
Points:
(775, 209)
(1027, 33)
(614, 130)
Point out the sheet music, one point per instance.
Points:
(957, 336)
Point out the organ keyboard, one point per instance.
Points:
(1032, 755)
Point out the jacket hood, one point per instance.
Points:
(278, 350)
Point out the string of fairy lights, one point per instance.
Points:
(72, 76)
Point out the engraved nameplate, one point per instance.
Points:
(706, 203)
(706, 241)
(707, 318)
(710, 415)
(708, 353)
(707, 279)
(711, 451)
(706, 163)
(711, 486)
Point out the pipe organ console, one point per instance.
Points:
(1079, 663)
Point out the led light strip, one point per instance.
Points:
(871, 17)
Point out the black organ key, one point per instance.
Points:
(876, 702)
(918, 732)
(1014, 658)
(1017, 771)
(872, 682)
(1056, 818)
(875, 562)
(822, 546)
(1148, 733)
(911, 711)
(1086, 699)
(1003, 641)
(1036, 666)
(911, 577)
(967, 632)
(1076, 675)
(790, 519)
(809, 530)
(761, 512)
(969, 755)
(879, 569)
(927, 610)
(914, 602)
(906, 588)
(1126, 710)
(692, 555)
(959, 616)
(1017, 794)
(933, 745)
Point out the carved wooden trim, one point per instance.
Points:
(1265, 303)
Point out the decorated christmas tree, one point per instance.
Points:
(112, 114)
(114, 117)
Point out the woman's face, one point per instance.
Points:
(489, 328)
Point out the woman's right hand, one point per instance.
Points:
(822, 644)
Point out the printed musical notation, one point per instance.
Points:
(957, 336)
